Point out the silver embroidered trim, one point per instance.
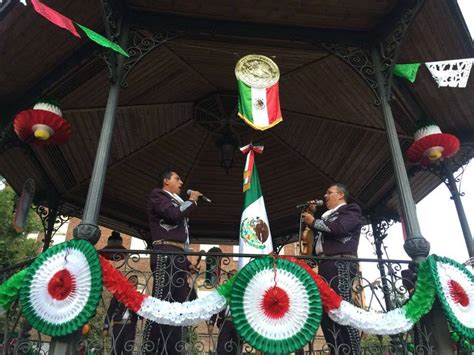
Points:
(321, 226)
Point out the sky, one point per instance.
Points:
(467, 9)
(439, 224)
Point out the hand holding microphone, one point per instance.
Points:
(310, 207)
(317, 203)
(195, 195)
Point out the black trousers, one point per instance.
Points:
(123, 339)
(228, 339)
(340, 274)
(170, 283)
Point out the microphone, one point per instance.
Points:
(318, 203)
(207, 199)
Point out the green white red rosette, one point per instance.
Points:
(10, 289)
(275, 305)
(62, 288)
(455, 289)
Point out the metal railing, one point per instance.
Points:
(127, 334)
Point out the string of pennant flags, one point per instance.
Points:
(447, 73)
(69, 25)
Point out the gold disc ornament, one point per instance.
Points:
(257, 71)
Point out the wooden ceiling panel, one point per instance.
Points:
(215, 60)
(14, 164)
(426, 38)
(317, 90)
(338, 153)
(181, 95)
(34, 46)
(91, 93)
(442, 104)
(347, 14)
(135, 128)
(434, 36)
(177, 151)
(162, 77)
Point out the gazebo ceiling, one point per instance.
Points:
(347, 14)
(182, 94)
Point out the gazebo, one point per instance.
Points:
(172, 103)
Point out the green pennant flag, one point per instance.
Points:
(101, 40)
(407, 71)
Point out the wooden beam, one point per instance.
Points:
(199, 27)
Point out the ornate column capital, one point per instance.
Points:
(417, 247)
(89, 232)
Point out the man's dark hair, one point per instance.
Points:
(165, 174)
(343, 188)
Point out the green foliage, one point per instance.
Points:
(370, 341)
(14, 246)
(96, 337)
(191, 337)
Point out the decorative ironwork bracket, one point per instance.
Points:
(52, 220)
(380, 226)
(388, 44)
(140, 46)
(445, 170)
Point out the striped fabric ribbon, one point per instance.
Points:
(250, 150)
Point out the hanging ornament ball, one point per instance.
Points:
(62, 288)
(275, 305)
(42, 131)
(455, 288)
(434, 153)
(85, 329)
(431, 144)
(42, 125)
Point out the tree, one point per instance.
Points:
(14, 246)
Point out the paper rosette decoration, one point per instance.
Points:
(275, 305)
(431, 144)
(455, 288)
(42, 125)
(62, 288)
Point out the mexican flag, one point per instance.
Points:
(255, 235)
(259, 108)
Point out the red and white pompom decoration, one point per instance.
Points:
(431, 144)
(42, 125)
